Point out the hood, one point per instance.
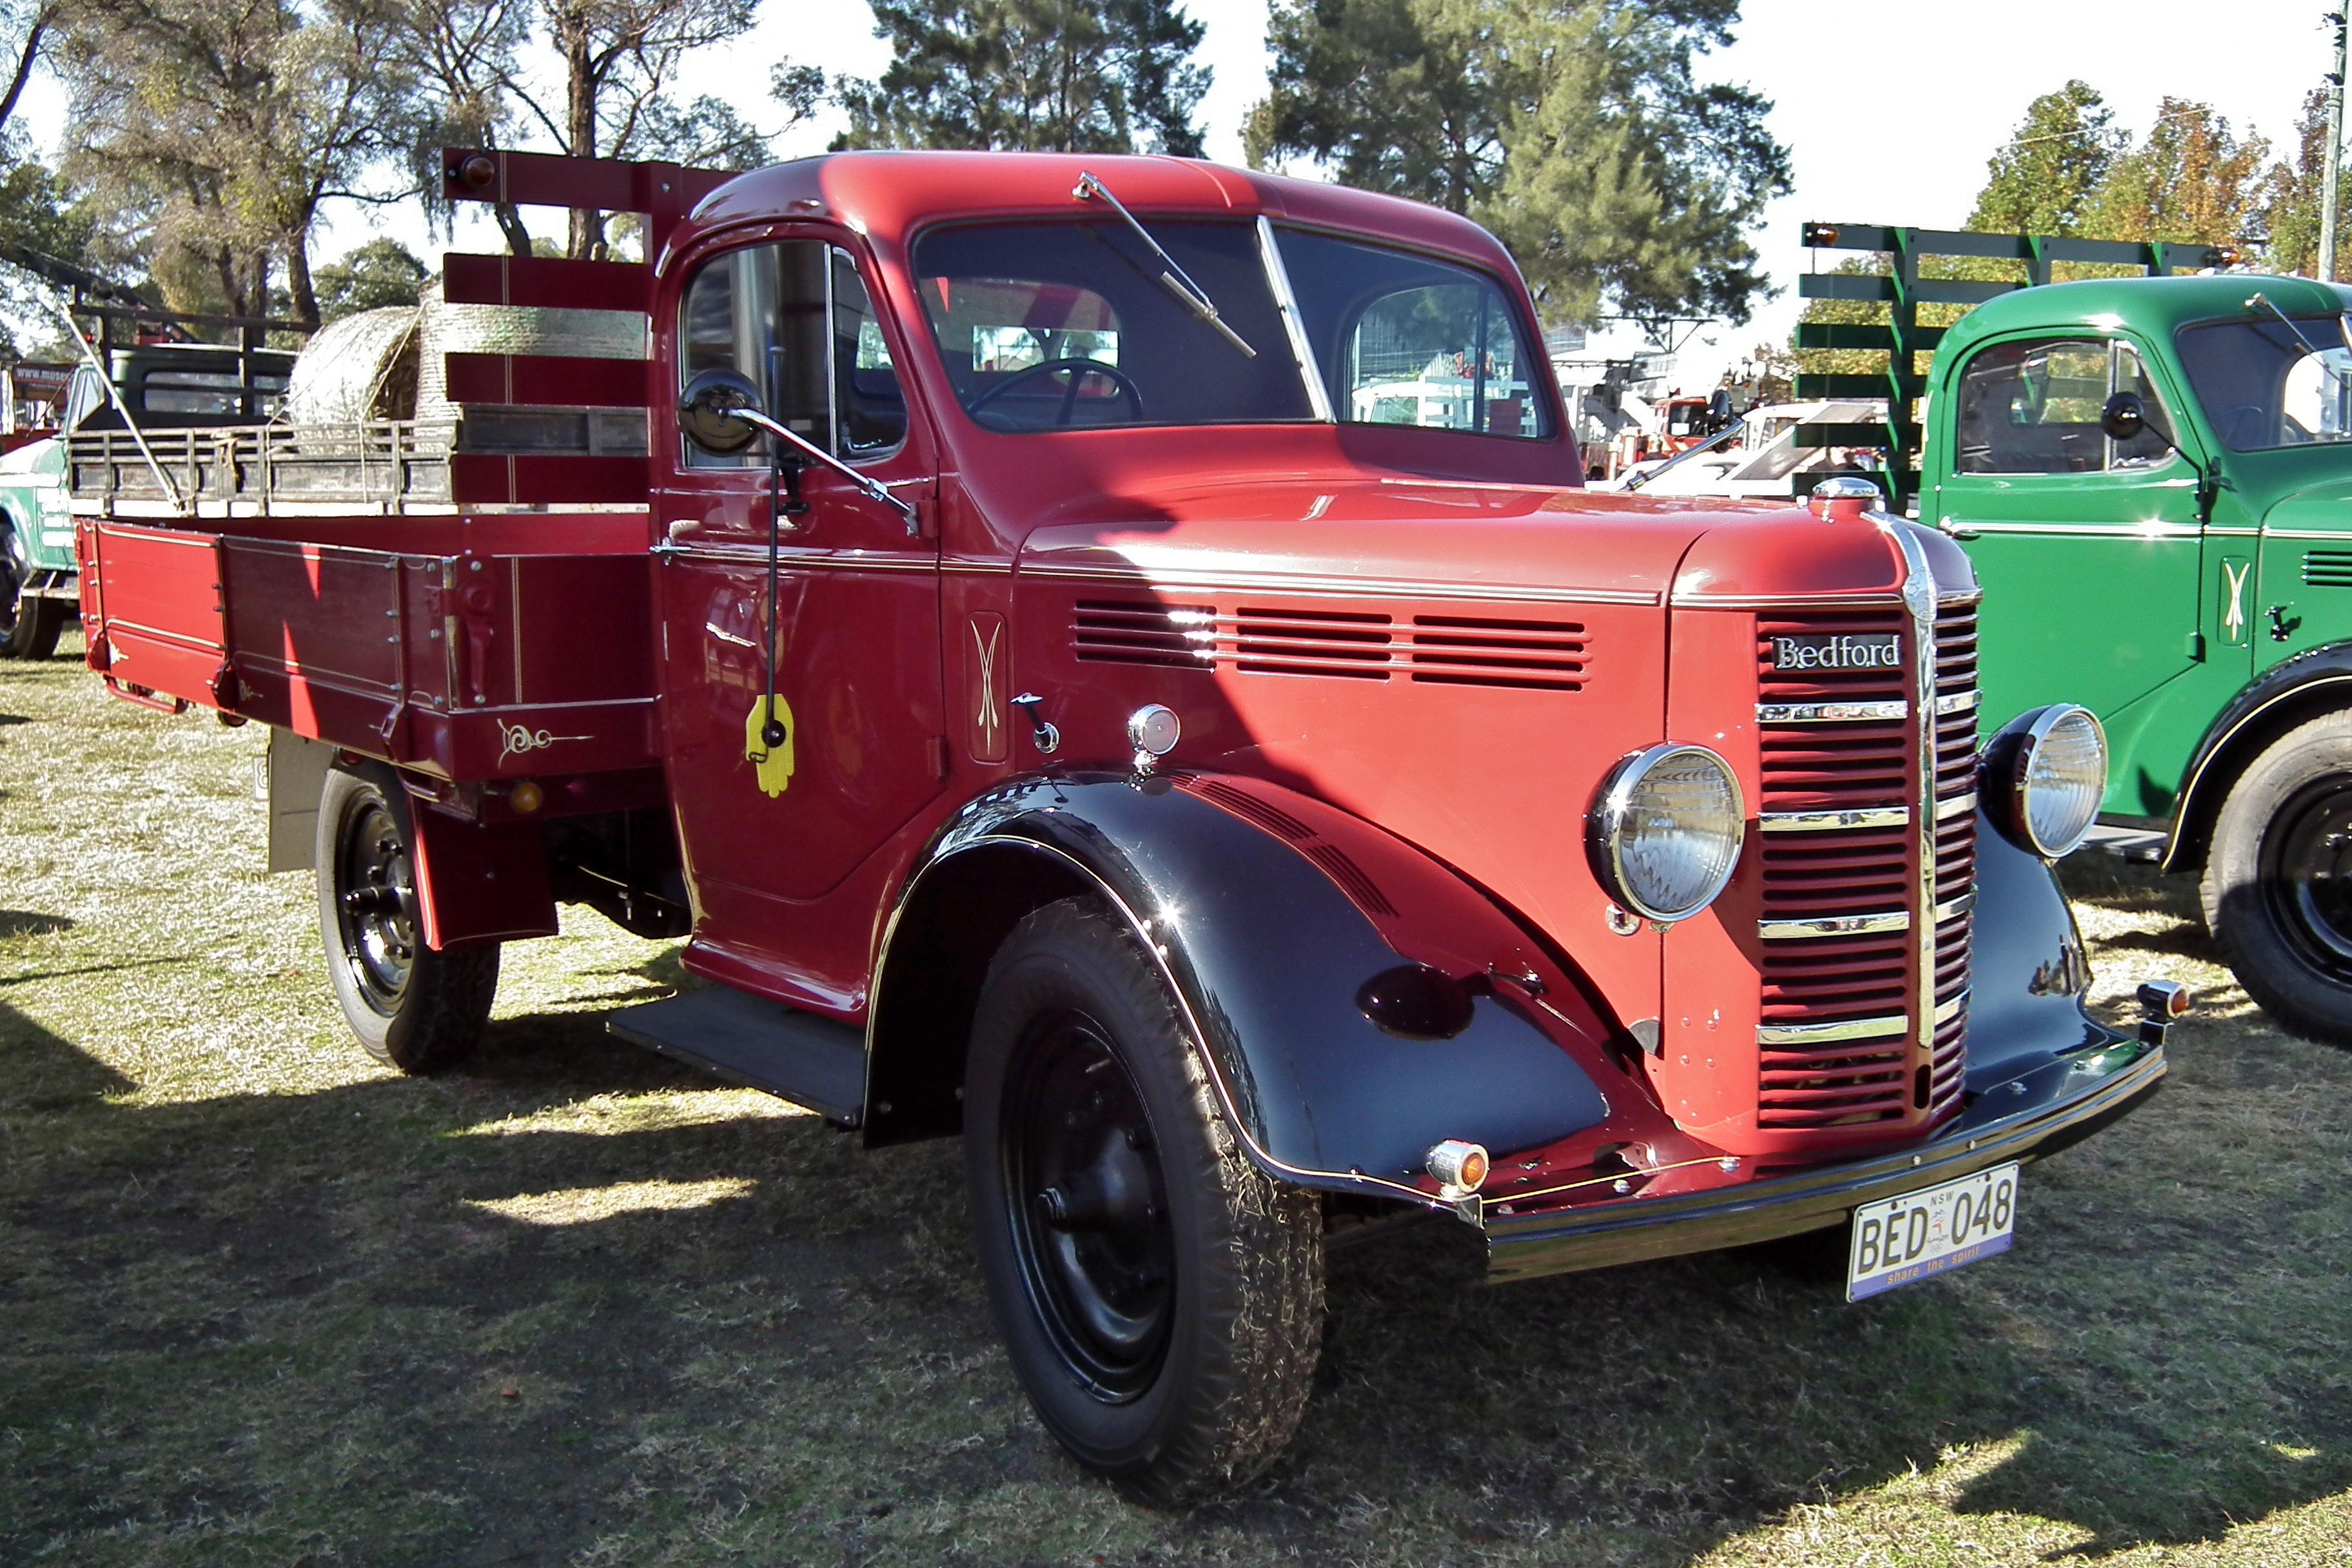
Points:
(1457, 539)
(28, 458)
(2324, 508)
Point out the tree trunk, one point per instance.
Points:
(587, 237)
(304, 298)
(32, 51)
(510, 224)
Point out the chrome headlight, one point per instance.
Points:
(2042, 776)
(1665, 831)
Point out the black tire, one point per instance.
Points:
(1161, 1297)
(28, 627)
(2277, 888)
(412, 1008)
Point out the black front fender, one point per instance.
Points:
(2315, 681)
(1268, 912)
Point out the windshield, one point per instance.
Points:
(1051, 325)
(1065, 324)
(2263, 385)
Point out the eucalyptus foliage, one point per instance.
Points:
(1070, 75)
(1579, 130)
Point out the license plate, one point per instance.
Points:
(1933, 1231)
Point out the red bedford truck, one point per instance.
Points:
(1054, 634)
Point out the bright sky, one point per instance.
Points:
(1889, 110)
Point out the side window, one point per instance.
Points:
(873, 409)
(83, 395)
(1444, 356)
(2033, 407)
(795, 319)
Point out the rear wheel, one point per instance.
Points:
(2277, 888)
(28, 625)
(1161, 1297)
(412, 1008)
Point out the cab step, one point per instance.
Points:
(811, 1061)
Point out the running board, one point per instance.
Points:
(811, 1061)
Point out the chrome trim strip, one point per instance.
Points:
(1785, 601)
(1834, 925)
(1959, 806)
(1826, 1033)
(1309, 586)
(1829, 713)
(1958, 701)
(2154, 531)
(1948, 1011)
(1828, 820)
(1952, 909)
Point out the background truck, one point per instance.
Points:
(171, 385)
(2185, 573)
(1002, 619)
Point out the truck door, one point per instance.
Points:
(2089, 547)
(770, 829)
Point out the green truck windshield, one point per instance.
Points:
(2267, 383)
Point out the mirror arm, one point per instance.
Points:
(809, 450)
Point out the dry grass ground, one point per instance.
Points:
(261, 1301)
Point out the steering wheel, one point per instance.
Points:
(1078, 370)
(2247, 423)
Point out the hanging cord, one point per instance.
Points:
(771, 729)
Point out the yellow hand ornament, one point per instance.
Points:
(774, 763)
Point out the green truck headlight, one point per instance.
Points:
(2042, 777)
(1665, 831)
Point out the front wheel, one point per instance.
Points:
(28, 625)
(1161, 1297)
(412, 1008)
(2277, 889)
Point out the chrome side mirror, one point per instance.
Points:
(709, 412)
(2124, 417)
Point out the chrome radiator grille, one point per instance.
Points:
(1843, 789)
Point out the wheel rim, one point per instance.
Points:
(375, 904)
(2307, 876)
(1088, 1206)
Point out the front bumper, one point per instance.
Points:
(2036, 1113)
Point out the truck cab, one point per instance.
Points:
(173, 385)
(1109, 658)
(2184, 573)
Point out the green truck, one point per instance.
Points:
(2153, 476)
(174, 385)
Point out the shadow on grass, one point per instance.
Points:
(28, 922)
(291, 1321)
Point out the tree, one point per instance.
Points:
(620, 58)
(1576, 129)
(381, 272)
(2046, 177)
(1069, 76)
(462, 54)
(2291, 196)
(212, 133)
(2193, 180)
(38, 21)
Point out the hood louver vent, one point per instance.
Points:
(1460, 650)
(1182, 637)
(2327, 569)
(1441, 650)
(1312, 642)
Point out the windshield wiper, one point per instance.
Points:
(2309, 347)
(1176, 281)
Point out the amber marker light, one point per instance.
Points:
(1459, 1167)
(527, 798)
